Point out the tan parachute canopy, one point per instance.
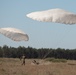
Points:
(54, 15)
(14, 34)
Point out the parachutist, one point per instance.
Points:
(23, 60)
(35, 62)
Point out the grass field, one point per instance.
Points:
(11, 66)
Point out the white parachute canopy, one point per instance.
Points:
(14, 34)
(54, 15)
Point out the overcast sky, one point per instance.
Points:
(41, 34)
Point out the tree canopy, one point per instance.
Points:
(29, 52)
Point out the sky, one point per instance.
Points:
(41, 34)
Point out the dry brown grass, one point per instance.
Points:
(10, 66)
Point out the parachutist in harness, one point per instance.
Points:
(23, 60)
(35, 62)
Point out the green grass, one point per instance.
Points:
(56, 60)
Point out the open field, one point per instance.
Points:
(11, 66)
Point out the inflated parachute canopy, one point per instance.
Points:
(54, 15)
(14, 34)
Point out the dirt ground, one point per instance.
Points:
(11, 66)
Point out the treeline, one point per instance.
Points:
(29, 52)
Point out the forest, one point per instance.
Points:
(41, 53)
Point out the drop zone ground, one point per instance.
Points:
(12, 66)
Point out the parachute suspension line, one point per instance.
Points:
(60, 41)
(46, 54)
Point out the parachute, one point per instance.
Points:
(14, 34)
(54, 15)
